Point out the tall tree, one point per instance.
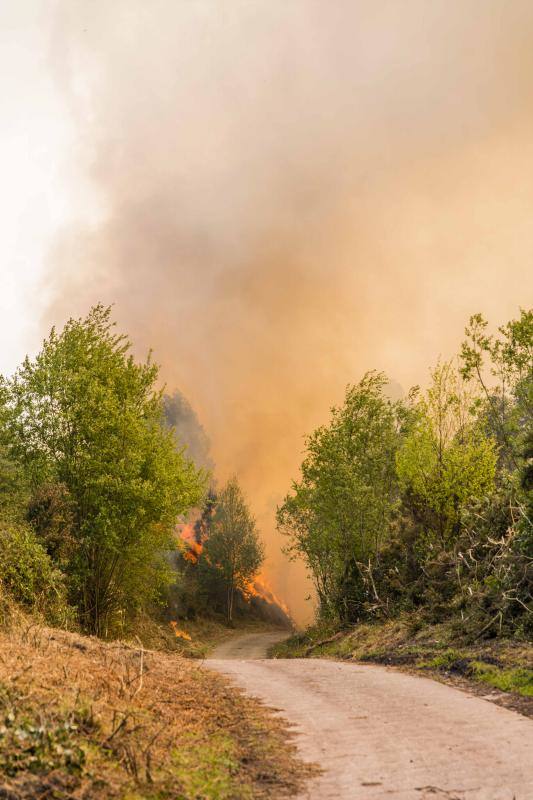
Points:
(337, 515)
(233, 546)
(86, 416)
(446, 460)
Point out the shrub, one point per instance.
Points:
(28, 575)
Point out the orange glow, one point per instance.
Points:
(178, 632)
(194, 548)
(383, 195)
(260, 587)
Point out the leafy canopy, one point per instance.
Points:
(337, 515)
(84, 414)
(445, 460)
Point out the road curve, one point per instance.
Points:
(379, 733)
(248, 646)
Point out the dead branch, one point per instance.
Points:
(334, 638)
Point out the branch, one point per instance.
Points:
(324, 641)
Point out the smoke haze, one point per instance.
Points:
(292, 193)
(188, 430)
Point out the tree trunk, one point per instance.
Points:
(230, 595)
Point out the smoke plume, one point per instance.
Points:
(188, 430)
(291, 193)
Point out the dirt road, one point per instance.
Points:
(378, 733)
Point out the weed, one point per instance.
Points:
(444, 660)
(38, 746)
(209, 768)
(518, 680)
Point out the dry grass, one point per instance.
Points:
(81, 718)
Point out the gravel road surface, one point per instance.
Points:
(380, 733)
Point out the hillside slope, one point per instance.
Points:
(82, 718)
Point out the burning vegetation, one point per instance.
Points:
(221, 554)
(88, 545)
(265, 603)
(193, 548)
(254, 596)
(88, 520)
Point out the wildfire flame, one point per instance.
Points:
(260, 587)
(178, 632)
(194, 547)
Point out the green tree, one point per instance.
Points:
(14, 489)
(337, 516)
(85, 416)
(233, 547)
(446, 460)
(28, 574)
(502, 367)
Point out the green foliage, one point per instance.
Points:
(233, 550)
(50, 513)
(494, 566)
(507, 358)
(427, 504)
(512, 679)
(518, 680)
(337, 516)
(14, 487)
(28, 745)
(501, 366)
(445, 460)
(85, 416)
(28, 574)
(208, 769)
(443, 660)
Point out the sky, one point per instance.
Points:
(276, 196)
(33, 133)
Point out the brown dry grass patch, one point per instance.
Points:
(82, 718)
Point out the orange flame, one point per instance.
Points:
(194, 548)
(178, 632)
(260, 587)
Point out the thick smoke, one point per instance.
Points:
(293, 193)
(188, 430)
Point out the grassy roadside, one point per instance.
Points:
(82, 718)
(502, 668)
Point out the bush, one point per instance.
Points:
(495, 564)
(28, 575)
